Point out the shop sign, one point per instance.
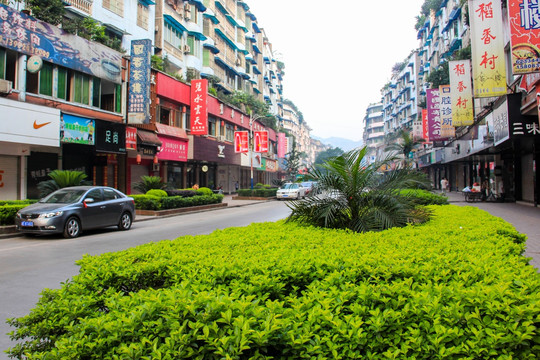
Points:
(282, 145)
(461, 92)
(501, 132)
(199, 107)
(147, 150)
(524, 24)
(139, 82)
(27, 35)
(434, 115)
(76, 130)
(487, 48)
(261, 141)
(271, 165)
(110, 137)
(447, 130)
(37, 125)
(241, 141)
(131, 138)
(172, 149)
(221, 151)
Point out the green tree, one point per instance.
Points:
(61, 179)
(325, 155)
(50, 11)
(294, 159)
(404, 144)
(149, 183)
(362, 198)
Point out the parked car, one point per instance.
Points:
(291, 191)
(71, 210)
(311, 187)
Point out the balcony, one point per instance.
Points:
(82, 5)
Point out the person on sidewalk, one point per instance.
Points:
(444, 185)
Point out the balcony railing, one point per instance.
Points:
(83, 5)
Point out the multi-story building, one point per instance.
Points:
(75, 104)
(374, 129)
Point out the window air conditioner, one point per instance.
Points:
(187, 49)
(155, 167)
(5, 87)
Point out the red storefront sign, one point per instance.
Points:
(172, 149)
(131, 138)
(282, 145)
(261, 141)
(199, 107)
(425, 127)
(241, 141)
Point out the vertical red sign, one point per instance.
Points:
(261, 141)
(199, 108)
(282, 145)
(241, 141)
(425, 125)
(131, 138)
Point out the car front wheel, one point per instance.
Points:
(72, 229)
(125, 221)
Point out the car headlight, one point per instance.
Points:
(51, 214)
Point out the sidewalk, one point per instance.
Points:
(229, 199)
(523, 216)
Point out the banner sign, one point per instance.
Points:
(139, 82)
(76, 129)
(434, 115)
(282, 145)
(461, 92)
(131, 138)
(199, 107)
(425, 127)
(172, 149)
(260, 141)
(110, 137)
(524, 21)
(447, 129)
(501, 131)
(241, 141)
(27, 35)
(487, 47)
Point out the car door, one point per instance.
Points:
(113, 206)
(92, 213)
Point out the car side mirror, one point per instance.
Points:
(89, 200)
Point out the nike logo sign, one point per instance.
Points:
(37, 126)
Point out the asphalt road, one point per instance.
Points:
(28, 265)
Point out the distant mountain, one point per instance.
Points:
(344, 144)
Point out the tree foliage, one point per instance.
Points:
(362, 198)
(50, 11)
(327, 154)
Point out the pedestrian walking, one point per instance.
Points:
(444, 185)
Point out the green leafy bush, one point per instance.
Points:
(424, 197)
(147, 202)
(181, 192)
(204, 191)
(455, 287)
(8, 213)
(258, 192)
(157, 192)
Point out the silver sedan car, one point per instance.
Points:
(69, 210)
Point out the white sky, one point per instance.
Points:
(337, 55)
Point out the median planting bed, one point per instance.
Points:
(456, 287)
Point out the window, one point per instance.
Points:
(229, 134)
(206, 57)
(42, 81)
(164, 115)
(109, 194)
(207, 27)
(193, 14)
(191, 43)
(142, 15)
(62, 90)
(116, 6)
(95, 194)
(173, 36)
(212, 127)
(81, 88)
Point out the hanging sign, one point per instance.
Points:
(241, 142)
(199, 107)
(260, 141)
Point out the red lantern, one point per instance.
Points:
(183, 109)
(222, 123)
(138, 158)
(155, 159)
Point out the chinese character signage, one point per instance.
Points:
(172, 149)
(501, 131)
(131, 138)
(524, 21)
(110, 137)
(487, 46)
(241, 141)
(434, 115)
(461, 92)
(76, 129)
(425, 127)
(199, 108)
(447, 129)
(139, 82)
(281, 145)
(260, 141)
(25, 34)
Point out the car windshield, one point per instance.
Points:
(290, 186)
(64, 196)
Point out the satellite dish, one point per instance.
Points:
(34, 64)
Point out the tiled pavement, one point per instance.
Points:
(525, 218)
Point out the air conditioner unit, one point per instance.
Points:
(187, 49)
(187, 7)
(238, 62)
(5, 87)
(222, 138)
(155, 167)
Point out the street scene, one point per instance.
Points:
(230, 179)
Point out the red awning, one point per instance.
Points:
(148, 138)
(171, 131)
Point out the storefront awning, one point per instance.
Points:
(148, 138)
(163, 129)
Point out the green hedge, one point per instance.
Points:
(8, 213)
(456, 287)
(424, 197)
(149, 202)
(260, 192)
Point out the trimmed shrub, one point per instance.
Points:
(455, 287)
(260, 192)
(157, 193)
(146, 202)
(8, 213)
(424, 197)
(180, 192)
(205, 191)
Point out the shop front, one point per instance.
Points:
(143, 161)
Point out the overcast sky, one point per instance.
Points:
(337, 55)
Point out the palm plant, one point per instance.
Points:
(61, 179)
(362, 198)
(404, 144)
(149, 183)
